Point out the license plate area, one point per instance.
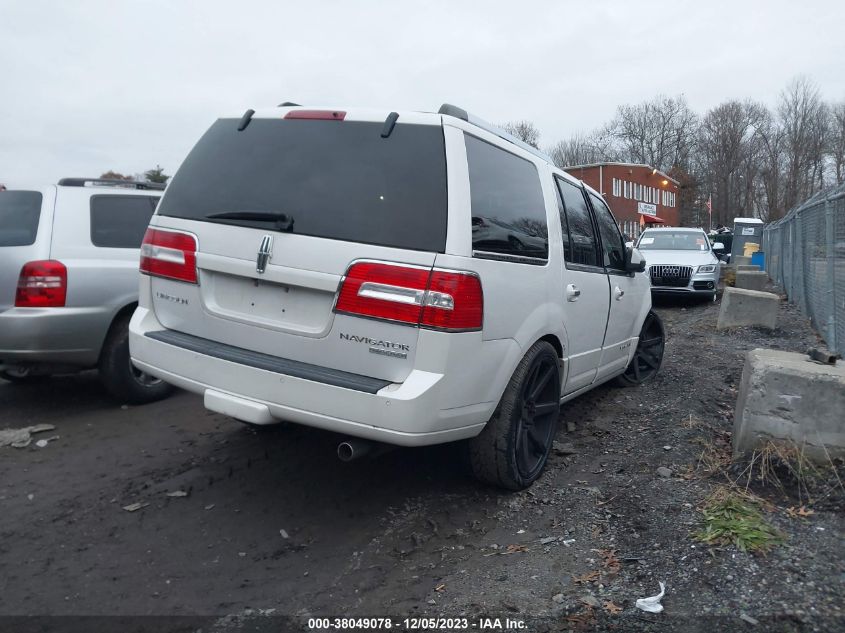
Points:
(270, 304)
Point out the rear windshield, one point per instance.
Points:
(19, 213)
(336, 179)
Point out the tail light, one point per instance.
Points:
(438, 299)
(169, 254)
(42, 284)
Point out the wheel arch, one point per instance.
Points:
(122, 312)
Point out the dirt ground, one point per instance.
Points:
(273, 525)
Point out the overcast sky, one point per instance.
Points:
(90, 86)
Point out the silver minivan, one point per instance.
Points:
(69, 281)
(405, 278)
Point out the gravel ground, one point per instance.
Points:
(272, 525)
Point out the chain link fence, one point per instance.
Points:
(805, 255)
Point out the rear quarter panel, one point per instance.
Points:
(103, 279)
(12, 258)
(521, 301)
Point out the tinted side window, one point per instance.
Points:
(120, 221)
(581, 232)
(19, 215)
(564, 225)
(611, 239)
(508, 211)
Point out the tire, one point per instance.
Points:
(120, 378)
(648, 357)
(512, 450)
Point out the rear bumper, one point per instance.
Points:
(406, 414)
(71, 336)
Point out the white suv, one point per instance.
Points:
(411, 279)
(69, 281)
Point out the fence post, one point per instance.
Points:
(830, 238)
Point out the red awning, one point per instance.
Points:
(653, 219)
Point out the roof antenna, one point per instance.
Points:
(389, 124)
(288, 104)
(245, 119)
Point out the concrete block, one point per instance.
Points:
(751, 279)
(741, 260)
(744, 267)
(787, 396)
(741, 307)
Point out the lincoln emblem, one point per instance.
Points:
(265, 251)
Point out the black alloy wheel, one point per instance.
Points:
(648, 357)
(540, 406)
(512, 449)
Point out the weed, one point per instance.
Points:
(731, 517)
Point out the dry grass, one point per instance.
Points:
(785, 466)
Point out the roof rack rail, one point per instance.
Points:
(460, 113)
(111, 182)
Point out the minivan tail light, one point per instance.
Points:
(169, 254)
(42, 284)
(437, 299)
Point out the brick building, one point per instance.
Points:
(639, 195)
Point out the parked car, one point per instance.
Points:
(681, 261)
(725, 237)
(69, 281)
(321, 267)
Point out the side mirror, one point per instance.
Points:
(634, 260)
(718, 246)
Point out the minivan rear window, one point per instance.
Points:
(336, 179)
(19, 215)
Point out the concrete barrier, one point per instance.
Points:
(787, 396)
(743, 267)
(751, 279)
(741, 260)
(741, 307)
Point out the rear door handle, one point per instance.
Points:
(619, 293)
(572, 292)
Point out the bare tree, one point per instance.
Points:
(660, 132)
(525, 131)
(802, 115)
(837, 141)
(597, 147)
(728, 153)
